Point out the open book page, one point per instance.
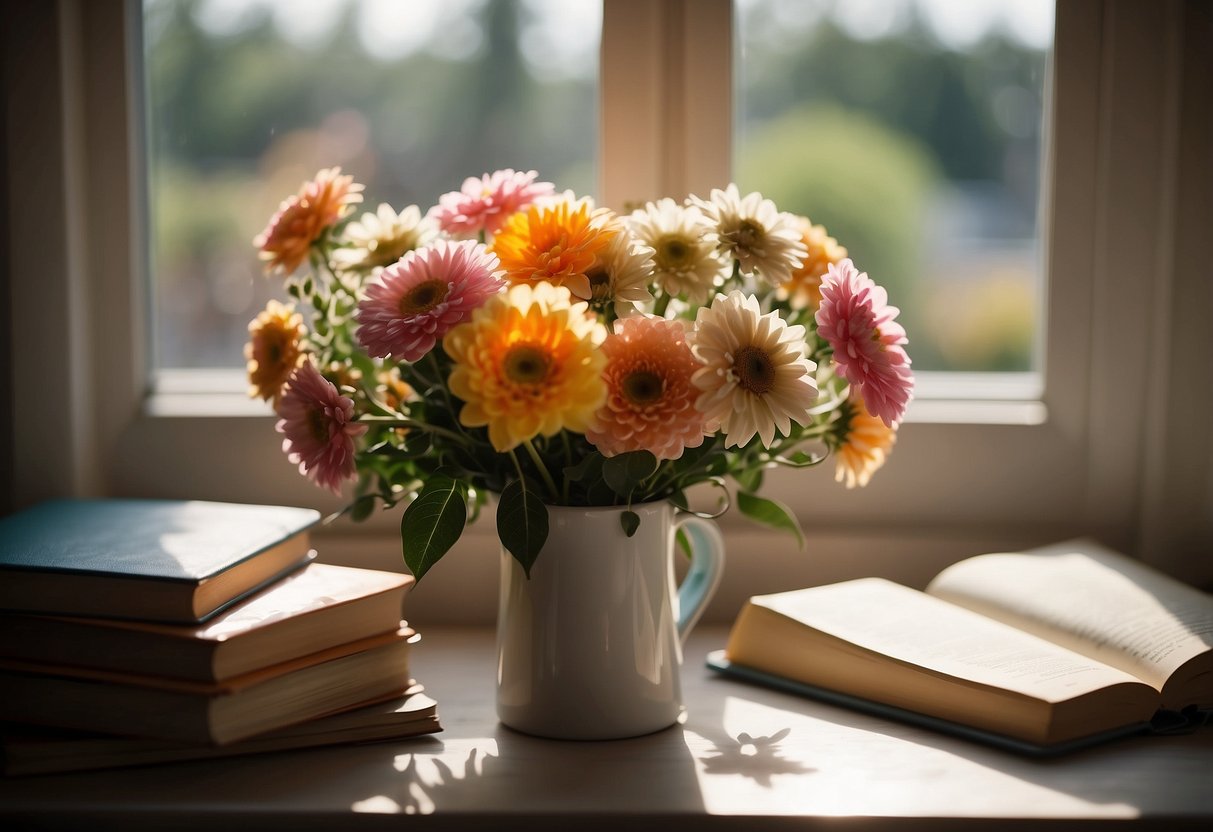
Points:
(909, 626)
(1091, 600)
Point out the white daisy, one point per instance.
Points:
(755, 377)
(752, 231)
(380, 239)
(621, 274)
(684, 248)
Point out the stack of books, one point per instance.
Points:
(147, 631)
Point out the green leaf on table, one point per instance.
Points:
(770, 513)
(630, 521)
(522, 523)
(626, 471)
(433, 523)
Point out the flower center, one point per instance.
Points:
(423, 297)
(642, 387)
(748, 235)
(672, 251)
(526, 364)
(318, 424)
(754, 370)
(600, 286)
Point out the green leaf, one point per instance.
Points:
(432, 523)
(626, 471)
(800, 459)
(522, 523)
(362, 508)
(684, 542)
(749, 479)
(590, 466)
(769, 513)
(630, 521)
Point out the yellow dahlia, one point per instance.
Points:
(303, 218)
(273, 350)
(864, 447)
(528, 363)
(557, 242)
(804, 287)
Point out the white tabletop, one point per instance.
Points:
(746, 758)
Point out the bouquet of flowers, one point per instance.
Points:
(525, 343)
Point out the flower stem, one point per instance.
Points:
(543, 470)
(392, 421)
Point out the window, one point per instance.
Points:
(247, 98)
(1109, 447)
(912, 130)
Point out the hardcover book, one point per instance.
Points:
(1042, 652)
(26, 749)
(163, 560)
(334, 680)
(318, 607)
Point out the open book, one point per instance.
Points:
(1042, 651)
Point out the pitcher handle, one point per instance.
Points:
(707, 567)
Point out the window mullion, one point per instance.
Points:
(666, 99)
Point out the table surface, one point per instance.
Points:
(746, 758)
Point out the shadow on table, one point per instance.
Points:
(1109, 774)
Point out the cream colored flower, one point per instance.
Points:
(621, 274)
(755, 377)
(684, 248)
(751, 231)
(380, 239)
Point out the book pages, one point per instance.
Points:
(908, 626)
(1090, 600)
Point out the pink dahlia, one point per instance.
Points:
(318, 423)
(650, 402)
(857, 321)
(484, 204)
(411, 304)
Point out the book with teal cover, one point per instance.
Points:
(164, 560)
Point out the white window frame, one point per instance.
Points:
(1099, 451)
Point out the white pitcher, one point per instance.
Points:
(590, 646)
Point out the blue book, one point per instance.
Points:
(157, 560)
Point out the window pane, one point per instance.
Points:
(248, 98)
(911, 129)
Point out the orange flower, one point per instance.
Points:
(804, 288)
(557, 243)
(303, 218)
(865, 446)
(273, 350)
(650, 400)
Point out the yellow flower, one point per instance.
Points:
(804, 287)
(558, 242)
(273, 350)
(528, 363)
(865, 446)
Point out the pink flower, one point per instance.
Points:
(857, 321)
(317, 422)
(411, 304)
(484, 204)
(650, 402)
